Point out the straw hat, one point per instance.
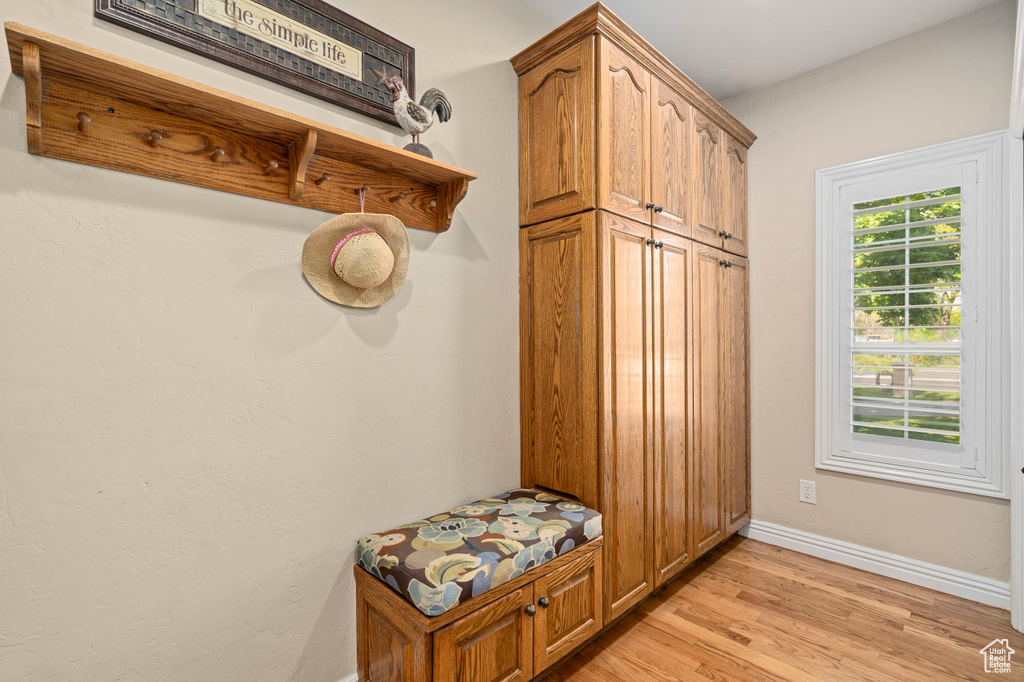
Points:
(357, 259)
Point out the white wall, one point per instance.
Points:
(941, 84)
(191, 440)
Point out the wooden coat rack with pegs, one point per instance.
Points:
(91, 107)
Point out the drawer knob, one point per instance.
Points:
(530, 609)
(650, 205)
(544, 603)
(659, 209)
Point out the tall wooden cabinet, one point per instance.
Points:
(633, 299)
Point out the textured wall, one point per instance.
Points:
(941, 84)
(191, 440)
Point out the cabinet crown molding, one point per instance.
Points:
(599, 20)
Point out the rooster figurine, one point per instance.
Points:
(416, 118)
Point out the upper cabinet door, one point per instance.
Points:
(735, 197)
(671, 120)
(623, 162)
(556, 136)
(707, 181)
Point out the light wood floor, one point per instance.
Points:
(751, 611)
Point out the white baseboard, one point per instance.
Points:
(948, 580)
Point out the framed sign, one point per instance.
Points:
(305, 44)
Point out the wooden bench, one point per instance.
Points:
(500, 589)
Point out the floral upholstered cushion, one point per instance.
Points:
(440, 562)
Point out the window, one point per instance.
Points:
(912, 317)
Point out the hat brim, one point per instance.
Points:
(316, 259)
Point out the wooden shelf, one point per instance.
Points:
(91, 107)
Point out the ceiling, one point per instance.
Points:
(733, 46)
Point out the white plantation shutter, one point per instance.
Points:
(909, 258)
(907, 311)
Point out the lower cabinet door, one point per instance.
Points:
(570, 609)
(708, 507)
(735, 403)
(492, 644)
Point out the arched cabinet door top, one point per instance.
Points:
(674, 106)
(705, 126)
(555, 73)
(625, 68)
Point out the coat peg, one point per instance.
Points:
(270, 167)
(84, 121)
(322, 179)
(217, 155)
(154, 138)
(398, 197)
(433, 203)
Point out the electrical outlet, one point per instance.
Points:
(807, 491)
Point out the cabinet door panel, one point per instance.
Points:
(670, 158)
(735, 197)
(556, 136)
(558, 368)
(574, 612)
(708, 516)
(707, 181)
(494, 643)
(390, 646)
(626, 387)
(735, 399)
(623, 175)
(672, 489)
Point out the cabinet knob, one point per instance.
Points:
(658, 244)
(723, 262)
(544, 602)
(650, 242)
(722, 234)
(650, 205)
(530, 609)
(659, 209)
(728, 235)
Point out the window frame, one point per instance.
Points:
(987, 397)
